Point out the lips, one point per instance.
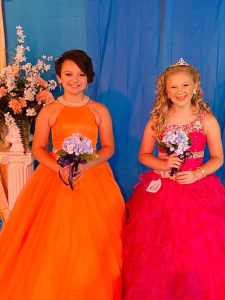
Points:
(74, 86)
(181, 98)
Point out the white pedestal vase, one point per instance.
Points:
(14, 138)
(3, 143)
(19, 169)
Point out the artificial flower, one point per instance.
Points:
(23, 91)
(178, 142)
(76, 149)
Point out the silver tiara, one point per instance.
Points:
(180, 62)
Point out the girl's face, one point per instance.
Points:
(179, 88)
(73, 80)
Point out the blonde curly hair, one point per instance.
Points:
(163, 103)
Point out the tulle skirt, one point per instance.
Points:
(175, 241)
(63, 245)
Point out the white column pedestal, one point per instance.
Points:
(19, 169)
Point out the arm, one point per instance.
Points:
(4, 205)
(214, 141)
(147, 146)
(41, 134)
(106, 135)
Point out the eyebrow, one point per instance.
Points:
(179, 83)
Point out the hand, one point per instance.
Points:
(64, 172)
(186, 177)
(173, 161)
(4, 214)
(82, 168)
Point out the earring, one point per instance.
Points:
(60, 86)
(86, 87)
(194, 92)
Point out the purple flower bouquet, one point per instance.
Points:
(178, 142)
(76, 149)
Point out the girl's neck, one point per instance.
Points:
(74, 102)
(181, 115)
(73, 98)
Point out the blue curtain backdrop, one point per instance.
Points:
(130, 43)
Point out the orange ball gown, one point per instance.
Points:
(61, 244)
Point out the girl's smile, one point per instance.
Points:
(180, 88)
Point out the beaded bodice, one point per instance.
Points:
(196, 131)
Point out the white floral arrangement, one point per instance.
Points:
(23, 91)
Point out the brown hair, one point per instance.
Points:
(81, 59)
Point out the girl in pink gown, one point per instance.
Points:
(175, 234)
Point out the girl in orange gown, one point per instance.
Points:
(60, 243)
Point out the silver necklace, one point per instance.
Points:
(84, 100)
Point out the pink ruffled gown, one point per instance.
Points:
(175, 238)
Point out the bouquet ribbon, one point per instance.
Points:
(183, 156)
(73, 161)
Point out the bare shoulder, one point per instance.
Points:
(49, 112)
(100, 111)
(149, 124)
(50, 107)
(211, 122)
(210, 118)
(149, 128)
(97, 106)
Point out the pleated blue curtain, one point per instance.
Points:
(130, 42)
